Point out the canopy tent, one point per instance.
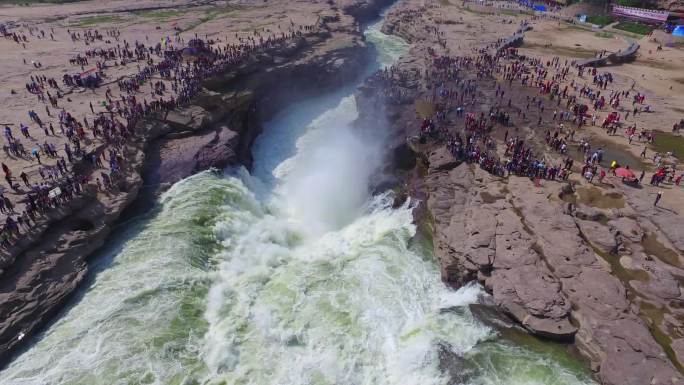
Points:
(678, 30)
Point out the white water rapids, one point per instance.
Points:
(291, 276)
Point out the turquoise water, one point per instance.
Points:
(292, 275)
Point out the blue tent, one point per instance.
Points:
(678, 31)
(541, 8)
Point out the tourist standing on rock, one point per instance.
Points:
(24, 177)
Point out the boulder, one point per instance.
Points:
(600, 236)
(219, 152)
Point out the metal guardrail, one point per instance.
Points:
(622, 56)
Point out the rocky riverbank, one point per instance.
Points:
(217, 129)
(573, 263)
(551, 268)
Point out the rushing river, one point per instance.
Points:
(292, 275)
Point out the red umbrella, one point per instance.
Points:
(625, 173)
(86, 72)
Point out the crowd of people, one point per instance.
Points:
(170, 73)
(92, 158)
(545, 88)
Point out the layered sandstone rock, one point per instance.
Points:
(479, 235)
(553, 272)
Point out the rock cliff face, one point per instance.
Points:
(559, 272)
(218, 129)
(222, 123)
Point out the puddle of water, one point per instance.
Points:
(623, 274)
(489, 198)
(654, 315)
(653, 247)
(425, 109)
(651, 314)
(667, 142)
(612, 152)
(592, 196)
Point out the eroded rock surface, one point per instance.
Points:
(488, 242)
(606, 276)
(554, 273)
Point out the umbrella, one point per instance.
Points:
(89, 71)
(625, 173)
